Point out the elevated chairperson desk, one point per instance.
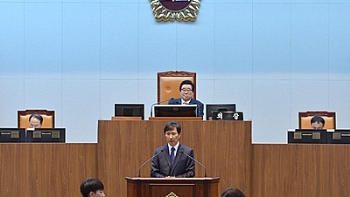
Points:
(162, 187)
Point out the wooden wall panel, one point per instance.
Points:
(45, 169)
(224, 147)
(301, 170)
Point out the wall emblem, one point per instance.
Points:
(171, 10)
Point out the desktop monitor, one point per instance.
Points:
(12, 135)
(136, 110)
(309, 136)
(175, 110)
(210, 108)
(50, 135)
(338, 136)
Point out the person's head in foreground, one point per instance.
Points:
(232, 192)
(92, 187)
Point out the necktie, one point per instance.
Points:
(185, 103)
(172, 155)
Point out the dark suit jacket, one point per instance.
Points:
(200, 106)
(184, 166)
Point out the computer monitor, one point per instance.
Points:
(136, 110)
(310, 136)
(175, 110)
(12, 135)
(338, 136)
(210, 108)
(48, 135)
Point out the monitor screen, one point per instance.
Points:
(311, 136)
(210, 108)
(175, 110)
(50, 135)
(338, 136)
(136, 110)
(12, 135)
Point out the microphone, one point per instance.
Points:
(205, 169)
(158, 104)
(149, 160)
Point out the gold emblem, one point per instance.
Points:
(171, 194)
(171, 10)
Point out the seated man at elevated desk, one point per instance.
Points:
(186, 93)
(173, 159)
(317, 122)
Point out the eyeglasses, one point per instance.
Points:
(186, 90)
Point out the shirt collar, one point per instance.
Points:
(176, 147)
(182, 101)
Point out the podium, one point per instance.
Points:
(172, 187)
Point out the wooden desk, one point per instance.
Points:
(224, 147)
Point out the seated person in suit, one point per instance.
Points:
(186, 92)
(35, 121)
(232, 192)
(317, 122)
(172, 159)
(92, 187)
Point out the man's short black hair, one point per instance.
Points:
(187, 82)
(317, 119)
(90, 185)
(171, 125)
(36, 116)
(232, 192)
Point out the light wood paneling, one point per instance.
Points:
(45, 169)
(224, 147)
(301, 170)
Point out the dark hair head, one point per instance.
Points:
(90, 185)
(171, 125)
(232, 192)
(317, 119)
(187, 82)
(36, 116)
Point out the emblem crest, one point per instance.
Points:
(171, 10)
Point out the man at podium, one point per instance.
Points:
(173, 159)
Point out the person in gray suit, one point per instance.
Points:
(186, 93)
(173, 159)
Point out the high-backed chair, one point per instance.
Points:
(48, 117)
(169, 82)
(305, 119)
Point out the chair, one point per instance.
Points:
(169, 82)
(305, 119)
(48, 118)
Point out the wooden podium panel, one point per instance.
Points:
(163, 187)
